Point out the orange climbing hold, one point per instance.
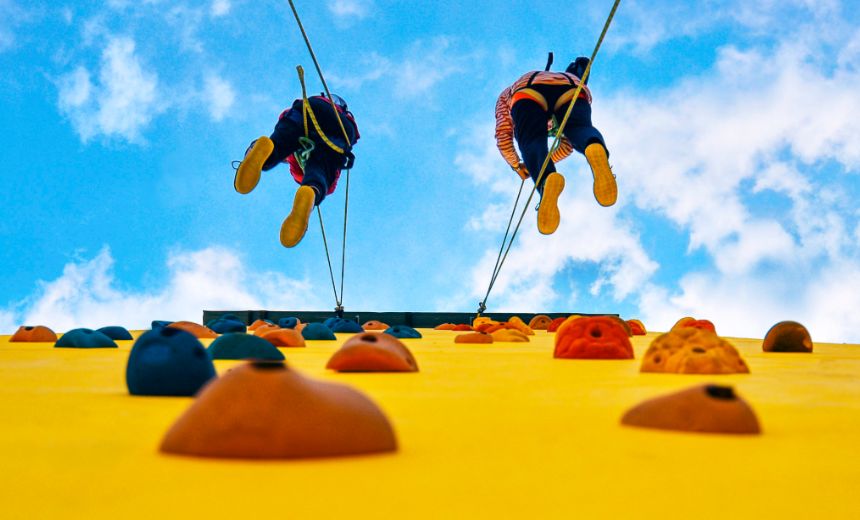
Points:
(461, 327)
(517, 323)
(445, 326)
(693, 322)
(511, 335)
(593, 337)
(691, 350)
(473, 337)
(34, 334)
(373, 352)
(284, 337)
(555, 324)
(195, 329)
(637, 327)
(540, 322)
(375, 325)
(268, 327)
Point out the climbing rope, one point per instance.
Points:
(338, 298)
(506, 247)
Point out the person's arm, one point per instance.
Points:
(563, 151)
(505, 133)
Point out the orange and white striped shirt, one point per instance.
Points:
(505, 124)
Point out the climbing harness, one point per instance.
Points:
(308, 112)
(506, 246)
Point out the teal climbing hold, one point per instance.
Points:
(402, 331)
(84, 338)
(243, 346)
(317, 331)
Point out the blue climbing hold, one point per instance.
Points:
(343, 325)
(317, 331)
(157, 324)
(331, 321)
(84, 338)
(243, 346)
(167, 361)
(224, 326)
(288, 323)
(229, 316)
(402, 331)
(116, 333)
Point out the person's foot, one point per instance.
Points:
(248, 174)
(296, 224)
(605, 189)
(548, 216)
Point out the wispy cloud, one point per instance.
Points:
(220, 8)
(88, 294)
(122, 101)
(219, 96)
(347, 11)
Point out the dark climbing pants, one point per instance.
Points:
(530, 128)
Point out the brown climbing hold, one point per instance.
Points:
(34, 334)
(592, 337)
(787, 336)
(700, 409)
(265, 410)
(474, 337)
(512, 335)
(690, 350)
(284, 338)
(540, 322)
(375, 325)
(373, 352)
(195, 329)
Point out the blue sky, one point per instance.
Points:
(734, 130)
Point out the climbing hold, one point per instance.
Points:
(473, 337)
(444, 326)
(167, 361)
(373, 352)
(259, 323)
(288, 323)
(787, 336)
(693, 322)
(263, 329)
(33, 334)
(555, 324)
(116, 333)
(225, 325)
(195, 329)
(375, 325)
(481, 320)
(235, 345)
(623, 324)
(461, 327)
(700, 409)
(593, 337)
(318, 331)
(284, 338)
(343, 325)
(691, 350)
(329, 322)
(510, 335)
(403, 332)
(156, 324)
(637, 327)
(264, 410)
(518, 324)
(540, 322)
(84, 338)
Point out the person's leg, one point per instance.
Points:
(265, 153)
(319, 174)
(530, 122)
(587, 140)
(285, 138)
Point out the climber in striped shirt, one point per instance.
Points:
(527, 111)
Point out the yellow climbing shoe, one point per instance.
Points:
(605, 189)
(548, 216)
(294, 226)
(248, 174)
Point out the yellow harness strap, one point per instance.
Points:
(531, 94)
(307, 110)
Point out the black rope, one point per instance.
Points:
(482, 306)
(328, 258)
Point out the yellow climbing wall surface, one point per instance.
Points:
(485, 431)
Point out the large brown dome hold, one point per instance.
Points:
(265, 410)
(34, 334)
(700, 409)
(787, 336)
(373, 352)
(690, 350)
(540, 322)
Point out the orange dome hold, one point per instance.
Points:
(473, 337)
(540, 322)
(195, 329)
(555, 324)
(373, 352)
(374, 325)
(592, 337)
(444, 326)
(690, 350)
(264, 410)
(637, 328)
(284, 337)
(34, 334)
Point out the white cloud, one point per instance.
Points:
(346, 10)
(219, 96)
(121, 104)
(220, 8)
(88, 294)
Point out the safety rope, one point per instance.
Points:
(482, 305)
(338, 299)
